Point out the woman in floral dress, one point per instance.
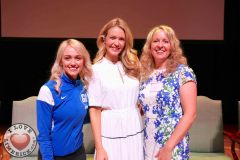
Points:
(168, 94)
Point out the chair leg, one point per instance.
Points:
(235, 157)
(1, 147)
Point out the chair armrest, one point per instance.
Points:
(234, 138)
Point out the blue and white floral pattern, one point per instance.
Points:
(160, 101)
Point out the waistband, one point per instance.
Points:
(119, 110)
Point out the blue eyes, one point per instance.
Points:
(76, 58)
(113, 38)
(164, 41)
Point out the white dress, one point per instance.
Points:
(121, 122)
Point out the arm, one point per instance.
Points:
(95, 117)
(140, 109)
(188, 98)
(44, 123)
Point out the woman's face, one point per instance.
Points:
(72, 62)
(114, 43)
(160, 48)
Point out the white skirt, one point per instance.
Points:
(122, 134)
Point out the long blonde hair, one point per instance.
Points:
(128, 56)
(175, 58)
(57, 68)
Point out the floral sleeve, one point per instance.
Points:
(186, 75)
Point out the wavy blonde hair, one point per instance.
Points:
(128, 56)
(175, 58)
(57, 68)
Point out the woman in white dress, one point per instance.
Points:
(113, 91)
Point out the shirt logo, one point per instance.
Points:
(84, 98)
(63, 97)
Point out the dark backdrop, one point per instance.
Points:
(26, 62)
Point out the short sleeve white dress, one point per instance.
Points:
(121, 122)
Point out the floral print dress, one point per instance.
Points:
(160, 101)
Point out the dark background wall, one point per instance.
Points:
(25, 65)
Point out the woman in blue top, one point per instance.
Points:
(168, 94)
(62, 104)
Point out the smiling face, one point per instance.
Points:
(160, 48)
(114, 43)
(72, 62)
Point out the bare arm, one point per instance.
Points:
(140, 109)
(188, 98)
(95, 117)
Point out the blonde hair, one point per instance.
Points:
(175, 58)
(128, 56)
(57, 68)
